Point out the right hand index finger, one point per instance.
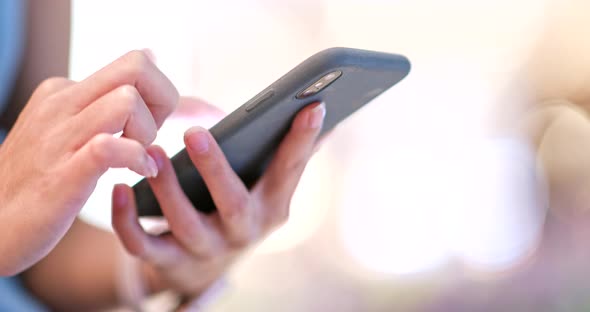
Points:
(136, 69)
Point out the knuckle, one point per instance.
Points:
(242, 239)
(200, 248)
(129, 97)
(138, 61)
(99, 148)
(192, 237)
(187, 228)
(128, 94)
(190, 232)
(239, 207)
(131, 106)
(239, 219)
(50, 85)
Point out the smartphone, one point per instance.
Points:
(345, 79)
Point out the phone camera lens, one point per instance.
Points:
(320, 84)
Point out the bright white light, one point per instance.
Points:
(104, 30)
(504, 206)
(436, 188)
(393, 216)
(481, 202)
(308, 208)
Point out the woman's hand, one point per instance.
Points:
(63, 142)
(200, 247)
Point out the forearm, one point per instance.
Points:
(80, 273)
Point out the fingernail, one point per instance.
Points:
(316, 117)
(152, 167)
(120, 196)
(197, 140)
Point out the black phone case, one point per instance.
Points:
(250, 134)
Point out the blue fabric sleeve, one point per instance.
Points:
(12, 38)
(15, 297)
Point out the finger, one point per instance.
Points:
(136, 241)
(136, 69)
(104, 151)
(185, 222)
(229, 193)
(49, 87)
(277, 185)
(122, 109)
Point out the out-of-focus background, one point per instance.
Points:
(429, 198)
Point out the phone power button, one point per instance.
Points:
(255, 102)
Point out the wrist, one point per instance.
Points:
(185, 301)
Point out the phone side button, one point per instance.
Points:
(259, 100)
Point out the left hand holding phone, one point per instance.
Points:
(199, 247)
(64, 141)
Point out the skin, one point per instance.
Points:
(62, 278)
(62, 142)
